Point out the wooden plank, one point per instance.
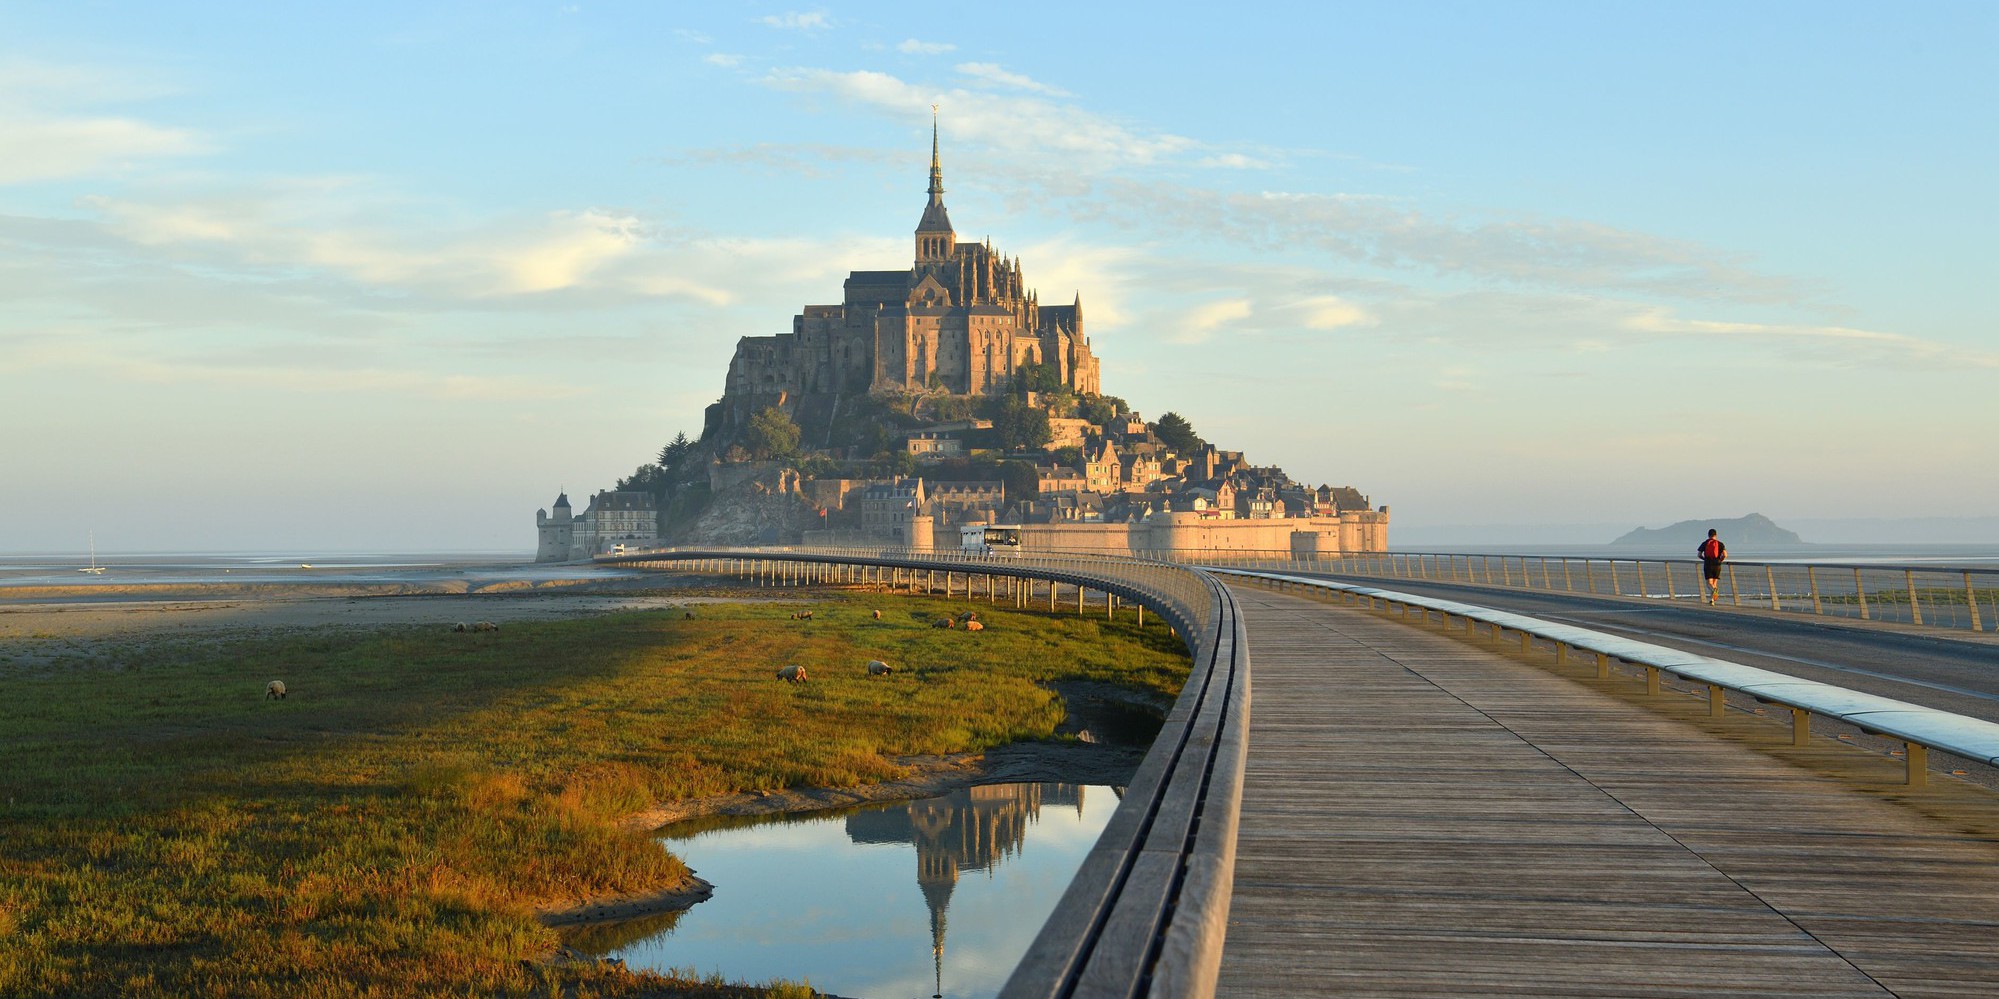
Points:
(1422, 816)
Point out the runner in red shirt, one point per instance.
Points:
(1713, 553)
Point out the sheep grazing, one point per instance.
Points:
(274, 690)
(484, 626)
(878, 668)
(690, 615)
(878, 615)
(461, 627)
(793, 673)
(802, 616)
(974, 626)
(968, 616)
(942, 622)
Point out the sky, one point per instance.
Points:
(389, 276)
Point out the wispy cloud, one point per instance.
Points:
(1016, 124)
(815, 20)
(1856, 344)
(726, 60)
(1202, 321)
(912, 46)
(992, 73)
(1234, 161)
(50, 128)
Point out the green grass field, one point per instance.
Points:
(392, 827)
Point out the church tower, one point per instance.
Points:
(936, 243)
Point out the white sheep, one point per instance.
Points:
(878, 615)
(878, 668)
(275, 690)
(461, 626)
(968, 616)
(942, 622)
(974, 626)
(485, 626)
(793, 673)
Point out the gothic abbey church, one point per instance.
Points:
(961, 319)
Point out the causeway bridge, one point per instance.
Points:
(1448, 785)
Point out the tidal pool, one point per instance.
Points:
(938, 896)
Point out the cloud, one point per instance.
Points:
(798, 20)
(564, 249)
(36, 147)
(1202, 321)
(1330, 312)
(1233, 161)
(911, 46)
(315, 380)
(1027, 126)
(1104, 177)
(992, 73)
(1393, 234)
(1855, 344)
(725, 60)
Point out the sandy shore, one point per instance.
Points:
(41, 623)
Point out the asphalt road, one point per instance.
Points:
(1934, 669)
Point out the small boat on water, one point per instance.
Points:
(93, 568)
(305, 565)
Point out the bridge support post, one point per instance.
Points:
(1801, 727)
(1717, 701)
(1526, 643)
(1652, 680)
(1919, 764)
(1561, 654)
(1602, 666)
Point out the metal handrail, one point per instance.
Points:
(1147, 911)
(1919, 728)
(1959, 598)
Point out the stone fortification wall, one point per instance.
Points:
(1188, 533)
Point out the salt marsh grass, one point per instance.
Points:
(394, 825)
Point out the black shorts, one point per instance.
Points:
(1711, 568)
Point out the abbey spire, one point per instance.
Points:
(935, 240)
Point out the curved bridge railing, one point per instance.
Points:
(1929, 596)
(1146, 913)
(1921, 729)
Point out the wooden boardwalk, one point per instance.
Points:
(1424, 816)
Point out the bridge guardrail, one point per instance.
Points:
(1919, 728)
(1146, 913)
(1928, 596)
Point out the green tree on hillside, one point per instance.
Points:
(1035, 378)
(1019, 426)
(1102, 409)
(1175, 432)
(772, 436)
(676, 454)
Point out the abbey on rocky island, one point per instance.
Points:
(961, 320)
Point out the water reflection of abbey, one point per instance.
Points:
(969, 830)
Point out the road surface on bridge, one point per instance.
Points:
(1951, 671)
(1425, 815)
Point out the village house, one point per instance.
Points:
(1102, 473)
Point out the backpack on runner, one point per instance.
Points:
(1711, 549)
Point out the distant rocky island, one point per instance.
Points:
(1753, 530)
(934, 402)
